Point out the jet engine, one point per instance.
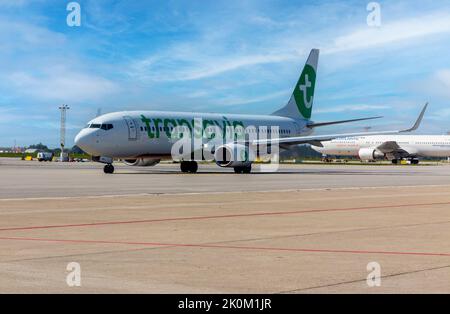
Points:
(232, 155)
(141, 162)
(370, 154)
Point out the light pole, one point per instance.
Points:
(63, 109)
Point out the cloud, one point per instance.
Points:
(233, 101)
(405, 29)
(62, 84)
(211, 54)
(346, 108)
(192, 67)
(19, 37)
(435, 86)
(443, 82)
(13, 4)
(215, 56)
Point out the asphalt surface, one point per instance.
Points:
(304, 229)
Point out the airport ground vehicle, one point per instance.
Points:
(44, 156)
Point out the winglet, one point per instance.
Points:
(418, 121)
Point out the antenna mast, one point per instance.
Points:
(63, 109)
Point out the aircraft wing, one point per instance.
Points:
(287, 141)
(392, 148)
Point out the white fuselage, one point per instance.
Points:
(135, 134)
(415, 145)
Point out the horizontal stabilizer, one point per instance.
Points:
(315, 125)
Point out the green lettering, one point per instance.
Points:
(217, 123)
(182, 122)
(167, 127)
(147, 125)
(207, 134)
(157, 122)
(197, 129)
(226, 124)
(239, 130)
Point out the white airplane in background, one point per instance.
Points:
(394, 148)
(143, 138)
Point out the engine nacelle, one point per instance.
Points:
(141, 162)
(233, 155)
(370, 154)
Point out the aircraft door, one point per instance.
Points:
(132, 128)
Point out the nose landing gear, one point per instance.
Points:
(108, 169)
(189, 166)
(243, 169)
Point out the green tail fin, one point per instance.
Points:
(301, 102)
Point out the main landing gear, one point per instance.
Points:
(243, 169)
(108, 169)
(411, 161)
(189, 166)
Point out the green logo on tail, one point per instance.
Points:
(304, 91)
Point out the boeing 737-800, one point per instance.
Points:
(394, 148)
(143, 138)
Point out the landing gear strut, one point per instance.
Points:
(189, 166)
(108, 168)
(243, 169)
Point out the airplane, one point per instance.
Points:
(144, 138)
(394, 148)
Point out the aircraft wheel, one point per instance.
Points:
(108, 169)
(189, 166)
(193, 167)
(243, 169)
(184, 166)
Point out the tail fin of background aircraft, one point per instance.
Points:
(301, 102)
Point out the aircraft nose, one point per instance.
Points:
(78, 140)
(85, 141)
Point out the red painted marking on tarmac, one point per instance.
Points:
(217, 246)
(106, 223)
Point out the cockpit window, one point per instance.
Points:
(106, 126)
(95, 126)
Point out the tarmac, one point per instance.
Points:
(303, 229)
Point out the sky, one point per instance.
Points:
(220, 56)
